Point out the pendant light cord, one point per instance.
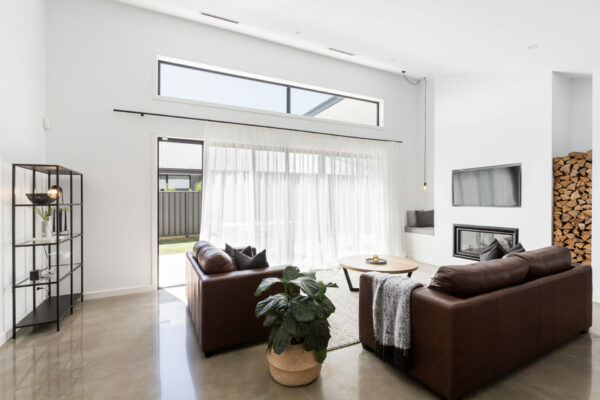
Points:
(416, 83)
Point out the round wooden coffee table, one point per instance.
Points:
(394, 265)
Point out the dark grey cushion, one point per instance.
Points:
(492, 252)
(231, 252)
(518, 248)
(244, 261)
(424, 218)
(411, 218)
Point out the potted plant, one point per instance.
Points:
(297, 344)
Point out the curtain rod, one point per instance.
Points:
(143, 113)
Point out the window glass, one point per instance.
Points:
(328, 106)
(212, 87)
(179, 182)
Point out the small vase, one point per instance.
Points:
(45, 230)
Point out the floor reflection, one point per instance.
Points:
(175, 366)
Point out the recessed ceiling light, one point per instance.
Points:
(533, 46)
(341, 51)
(219, 18)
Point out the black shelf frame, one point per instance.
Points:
(55, 306)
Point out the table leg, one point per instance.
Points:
(352, 288)
(410, 274)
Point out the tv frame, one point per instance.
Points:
(520, 200)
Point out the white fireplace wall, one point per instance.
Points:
(493, 119)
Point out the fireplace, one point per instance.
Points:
(471, 240)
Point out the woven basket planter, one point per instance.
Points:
(294, 367)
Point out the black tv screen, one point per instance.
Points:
(496, 186)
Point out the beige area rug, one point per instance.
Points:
(344, 321)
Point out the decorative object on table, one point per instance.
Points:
(39, 199)
(376, 260)
(44, 199)
(45, 215)
(394, 265)
(34, 275)
(297, 344)
(55, 192)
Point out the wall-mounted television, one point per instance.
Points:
(495, 186)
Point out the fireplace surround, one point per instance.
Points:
(471, 240)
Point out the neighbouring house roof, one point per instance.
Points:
(177, 155)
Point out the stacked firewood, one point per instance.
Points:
(573, 205)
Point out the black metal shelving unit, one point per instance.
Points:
(55, 305)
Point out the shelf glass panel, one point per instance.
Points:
(64, 272)
(47, 241)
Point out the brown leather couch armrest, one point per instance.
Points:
(226, 305)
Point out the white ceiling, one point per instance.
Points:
(419, 36)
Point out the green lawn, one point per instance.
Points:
(176, 246)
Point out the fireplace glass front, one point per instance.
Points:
(471, 240)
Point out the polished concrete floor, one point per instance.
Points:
(142, 347)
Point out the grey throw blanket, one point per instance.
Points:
(391, 317)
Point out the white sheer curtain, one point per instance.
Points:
(307, 199)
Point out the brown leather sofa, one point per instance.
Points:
(477, 322)
(221, 299)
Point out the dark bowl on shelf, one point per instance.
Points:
(39, 199)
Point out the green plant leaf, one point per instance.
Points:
(308, 285)
(265, 285)
(272, 318)
(309, 274)
(281, 340)
(320, 355)
(304, 308)
(326, 308)
(331, 284)
(295, 328)
(318, 336)
(290, 273)
(276, 302)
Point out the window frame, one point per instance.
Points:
(288, 85)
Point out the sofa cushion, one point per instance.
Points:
(243, 261)
(470, 280)
(411, 218)
(212, 260)
(545, 261)
(518, 248)
(424, 218)
(232, 250)
(492, 252)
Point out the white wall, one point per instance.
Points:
(416, 197)
(483, 120)
(101, 55)
(22, 79)
(595, 187)
(571, 114)
(581, 114)
(561, 114)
